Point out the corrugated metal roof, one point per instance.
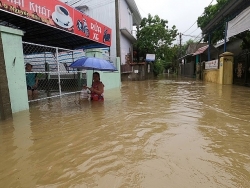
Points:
(201, 50)
(194, 47)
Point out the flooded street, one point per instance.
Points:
(166, 133)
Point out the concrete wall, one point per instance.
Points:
(140, 72)
(126, 47)
(14, 64)
(223, 75)
(227, 60)
(211, 76)
(126, 19)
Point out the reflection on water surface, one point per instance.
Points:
(158, 133)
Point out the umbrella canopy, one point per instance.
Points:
(93, 63)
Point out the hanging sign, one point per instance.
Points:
(57, 14)
(150, 57)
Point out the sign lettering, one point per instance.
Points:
(17, 2)
(211, 64)
(39, 9)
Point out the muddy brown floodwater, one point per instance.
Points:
(165, 133)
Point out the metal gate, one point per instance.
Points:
(188, 69)
(241, 74)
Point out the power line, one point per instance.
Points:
(190, 35)
(196, 20)
(77, 3)
(102, 4)
(190, 27)
(200, 38)
(141, 9)
(193, 31)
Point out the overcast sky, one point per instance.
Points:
(181, 13)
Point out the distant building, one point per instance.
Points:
(196, 54)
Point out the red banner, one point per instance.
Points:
(59, 15)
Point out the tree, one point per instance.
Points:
(155, 37)
(218, 33)
(208, 14)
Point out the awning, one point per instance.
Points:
(201, 50)
(239, 24)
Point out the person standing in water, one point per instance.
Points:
(97, 88)
(32, 82)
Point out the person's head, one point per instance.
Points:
(84, 86)
(96, 76)
(28, 67)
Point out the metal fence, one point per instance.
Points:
(241, 73)
(51, 67)
(188, 69)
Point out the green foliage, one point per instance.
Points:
(159, 67)
(154, 36)
(218, 33)
(208, 14)
(168, 65)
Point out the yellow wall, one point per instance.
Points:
(211, 76)
(223, 75)
(228, 70)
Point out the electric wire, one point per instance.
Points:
(196, 20)
(76, 3)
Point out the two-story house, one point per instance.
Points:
(122, 16)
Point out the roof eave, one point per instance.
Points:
(136, 14)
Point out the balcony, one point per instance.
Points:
(129, 35)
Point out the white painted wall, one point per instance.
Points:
(126, 19)
(126, 47)
(104, 11)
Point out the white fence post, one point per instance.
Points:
(58, 71)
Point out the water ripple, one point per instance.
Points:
(175, 132)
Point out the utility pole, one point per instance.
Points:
(180, 43)
(117, 18)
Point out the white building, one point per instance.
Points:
(123, 36)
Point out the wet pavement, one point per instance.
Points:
(171, 132)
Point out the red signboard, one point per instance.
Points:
(59, 15)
